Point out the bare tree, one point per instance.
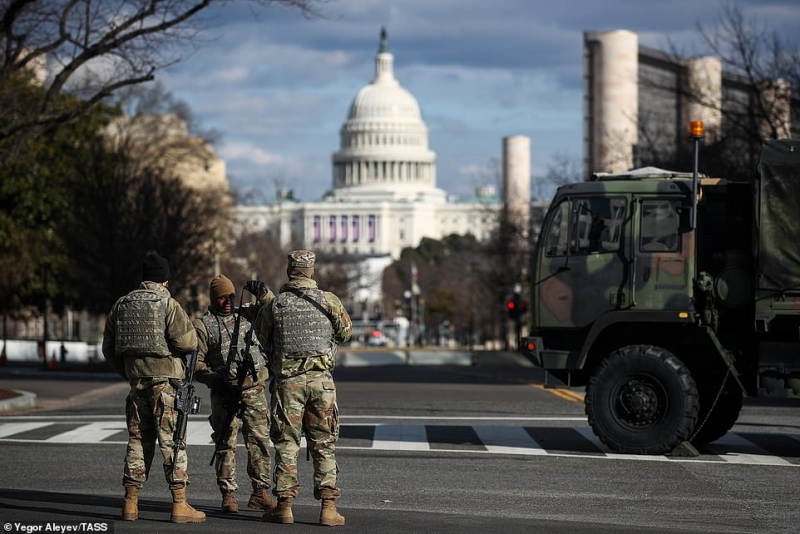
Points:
(256, 255)
(766, 63)
(95, 48)
(153, 100)
(457, 281)
(757, 100)
(562, 169)
(123, 205)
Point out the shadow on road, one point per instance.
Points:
(447, 374)
(26, 505)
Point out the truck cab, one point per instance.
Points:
(667, 304)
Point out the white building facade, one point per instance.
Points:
(384, 196)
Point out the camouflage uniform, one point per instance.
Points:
(214, 333)
(150, 407)
(304, 394)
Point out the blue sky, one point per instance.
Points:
(278, 86)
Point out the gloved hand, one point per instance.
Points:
(221, 385)
(256, 287)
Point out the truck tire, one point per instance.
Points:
(642, 400)
(726, 411)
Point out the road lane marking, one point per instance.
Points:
(508, 440)
(465, 418)
(90, 433)
(198, 432)
(400, 437)
(732, 449)
(744, 451)
(566, 394)
(9, 429)
(341, 417)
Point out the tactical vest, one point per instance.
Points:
(301, 329)
(220, 331)
(141, 324)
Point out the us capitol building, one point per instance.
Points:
(384, 195)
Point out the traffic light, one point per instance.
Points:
(513, 309)
(516, 307)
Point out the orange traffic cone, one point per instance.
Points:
(53, 361)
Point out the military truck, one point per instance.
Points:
(670, 296)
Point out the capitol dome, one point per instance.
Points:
(385, 99)
(383, 152)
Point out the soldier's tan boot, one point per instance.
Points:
(282, 513)
(261, 500)
(229, 504)
(181, 511)
(130, 507)
(329, 516)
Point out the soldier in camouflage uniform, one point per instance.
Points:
(146, 337)
(300, 330)
(237, 397)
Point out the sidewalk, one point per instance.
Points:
(25, 388)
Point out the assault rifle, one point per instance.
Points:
(186, 402)
(245, 365)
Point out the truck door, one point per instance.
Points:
(583, 264)
(662, 279)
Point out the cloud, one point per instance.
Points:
(279, 86)
(249, 153)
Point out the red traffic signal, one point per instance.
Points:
(516, 307)
(512, 306)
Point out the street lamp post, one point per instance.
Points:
(409, 296)
(518, 316)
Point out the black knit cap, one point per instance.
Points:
(155, 268)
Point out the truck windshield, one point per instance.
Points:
(596, 226)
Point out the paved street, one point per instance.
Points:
(439, 448)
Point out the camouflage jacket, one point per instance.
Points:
(210, 359)
(285, 368)
(178, 332)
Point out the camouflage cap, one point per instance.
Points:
(302, 258)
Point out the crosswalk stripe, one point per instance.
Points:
(745, 452)
(733, 448)
(508, 439)
(9, 429)
(589, 435)
(198, 432)
(89, 433)
(400, 437)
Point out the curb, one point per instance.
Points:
(25, 399)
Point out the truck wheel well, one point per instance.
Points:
(673, 337)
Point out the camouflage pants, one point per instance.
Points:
(307, 400)
(151, 416)
(254, 424)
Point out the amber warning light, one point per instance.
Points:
(531, 346)
(696, 128)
